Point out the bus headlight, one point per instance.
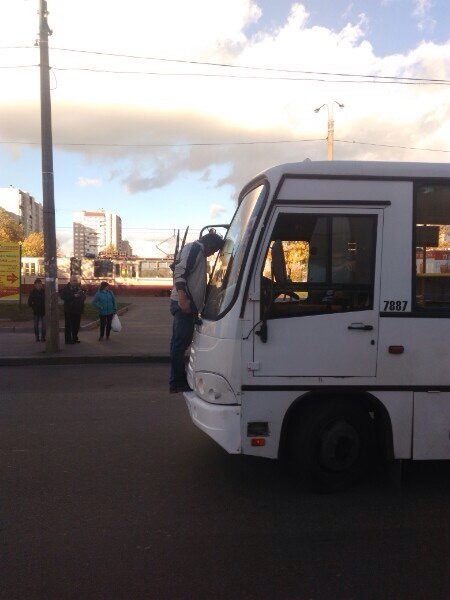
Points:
(214, 389)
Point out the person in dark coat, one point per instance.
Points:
(74, 298)
(36, 300)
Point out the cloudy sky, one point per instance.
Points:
(162, 111)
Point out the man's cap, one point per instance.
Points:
(212, 240)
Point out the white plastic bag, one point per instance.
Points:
(116, 325)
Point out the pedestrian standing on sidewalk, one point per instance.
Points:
(74, 298)
(36, 300)
(105, 301)
(186, 300)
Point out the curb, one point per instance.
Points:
(19, 361)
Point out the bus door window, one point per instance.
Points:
(328, 265)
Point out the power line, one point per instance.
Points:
(18, 66)
(253, 77)
(186, 145)
(230, 66)
(162, 229)
(388, 146)
(218, 144)
(372, 78)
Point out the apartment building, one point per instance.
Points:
(94, 231)
(24, 208)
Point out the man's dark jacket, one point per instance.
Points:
(73, 304)
(36, 300)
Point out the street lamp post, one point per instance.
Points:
(330, 136)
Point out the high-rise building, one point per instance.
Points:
(113, 231)
(94, 231)
(24, 208)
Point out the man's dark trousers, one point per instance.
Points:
(182, 332)
(71, 326)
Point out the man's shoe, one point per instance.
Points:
(42, 339)
(76, 342)
(38, 340)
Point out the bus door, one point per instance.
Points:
(317, 282)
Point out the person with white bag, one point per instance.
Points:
(105, 301)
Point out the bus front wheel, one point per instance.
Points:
(330, 444)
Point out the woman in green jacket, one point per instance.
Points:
(106, 303)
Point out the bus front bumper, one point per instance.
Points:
(221, 422)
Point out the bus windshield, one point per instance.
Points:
(223, 285)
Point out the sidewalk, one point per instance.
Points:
(145, 337)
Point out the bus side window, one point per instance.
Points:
(432, 247)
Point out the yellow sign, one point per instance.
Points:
(9, 271)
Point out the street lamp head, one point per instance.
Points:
(316, 110)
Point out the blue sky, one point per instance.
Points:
(135, 129)
(393, 25)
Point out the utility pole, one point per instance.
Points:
(50, 266)
(330, 135)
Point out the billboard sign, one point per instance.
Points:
(9, 271)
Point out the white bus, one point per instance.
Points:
(324, 338)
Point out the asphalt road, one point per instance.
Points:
(109, 492)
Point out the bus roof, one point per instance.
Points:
(358, 169)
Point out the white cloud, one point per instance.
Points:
(87, 182)
(216, 210)
(155, 114)
(422, 10)
(64, 239)
(348, 11)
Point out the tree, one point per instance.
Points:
(10, 229)
(444, 236)
(33, 245)
(110, 249)
(296, 258)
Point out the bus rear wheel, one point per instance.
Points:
(330, 445)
